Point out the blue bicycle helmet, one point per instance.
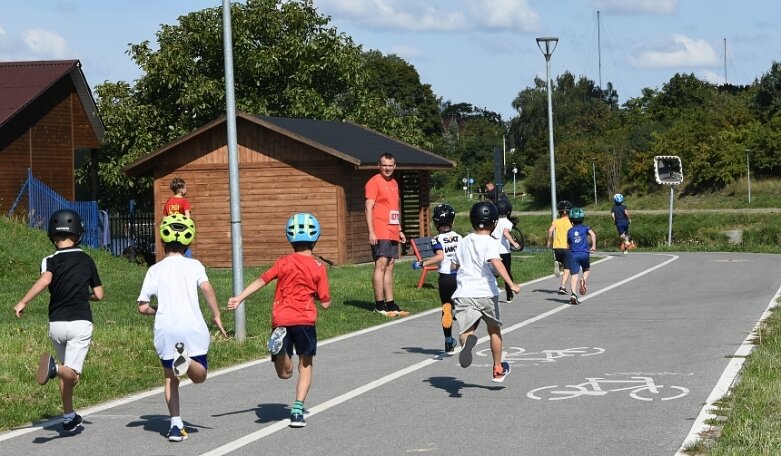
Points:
(577, 214)
(303, 227)
(618, 198)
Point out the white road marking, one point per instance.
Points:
(726, 381)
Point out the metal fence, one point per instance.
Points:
(132, 236)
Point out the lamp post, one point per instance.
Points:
(515, 171)
(547, 45)
(594, 172)
(748, 174)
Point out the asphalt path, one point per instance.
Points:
(628, 371)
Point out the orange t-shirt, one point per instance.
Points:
(176, 205)
(300, 278)
(386, 217)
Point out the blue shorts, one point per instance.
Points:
(303, 338)
(622, 228)
(578, 260)
(200, 359)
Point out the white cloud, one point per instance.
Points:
(405, 52)
(45, 44)
(434, 15)
(638, 6)
(682, 51)
(713, 77)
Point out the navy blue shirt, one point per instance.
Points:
(577, 238)
(619, 211)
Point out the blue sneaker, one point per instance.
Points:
(450, 344)
(176, 434)
(297, 420)
(276, 339)
(499, 376)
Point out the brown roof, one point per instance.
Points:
(23, 82)
(347, 141)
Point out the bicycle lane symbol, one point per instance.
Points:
(640, 388)
(519, 356)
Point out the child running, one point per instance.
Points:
(180, 332)
(73, 281)
(579, 251)
(621, 219)
(557, 238)
(477, 295)
(445, 244)
(502, 233)
(301, 278)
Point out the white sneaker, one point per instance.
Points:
(276, 339)
(556, 268)
(181, 360)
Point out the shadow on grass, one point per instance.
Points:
(453, 386)
(365, 305)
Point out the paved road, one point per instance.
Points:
(625, 373)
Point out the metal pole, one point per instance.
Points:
(670, 221)
(594, 172)
(547, 52)
(233, 172)
(748, 174)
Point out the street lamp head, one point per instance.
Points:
(550, 43)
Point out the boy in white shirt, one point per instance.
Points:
(502, 233)
(477, 295)
(180, 333)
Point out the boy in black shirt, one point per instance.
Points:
(69, 274)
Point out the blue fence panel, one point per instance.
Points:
(43, 202)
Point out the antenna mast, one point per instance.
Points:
(599, 51)
(725, 61)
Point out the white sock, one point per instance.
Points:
(177, 421)
(69, 416)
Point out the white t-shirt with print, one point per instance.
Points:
(448, 243)
(498, 233)
(175, 281)
(475, 276)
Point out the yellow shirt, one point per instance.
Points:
(560, 227)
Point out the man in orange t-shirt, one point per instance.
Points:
(383, 218)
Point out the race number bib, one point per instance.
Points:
(394, 218)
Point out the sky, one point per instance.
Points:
(482, 52)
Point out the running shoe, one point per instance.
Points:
(499, 376)
(450, 344)
(465, 357)
(47, 369)
(397, 310)
(562, 290)
(181, 360)
(297, 420)
(574, 300)
(385, 312)
(177, 434)
(582, 286)
(447, 315)
(72, 424)
(276, 340)
(556, 268)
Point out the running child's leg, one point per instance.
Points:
(196, 372)
(304, 377)
(171, 391)
(495, 334)
(283, 364)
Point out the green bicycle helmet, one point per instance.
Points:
(577, 214)
(177, 228)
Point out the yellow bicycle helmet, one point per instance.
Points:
(177, 228)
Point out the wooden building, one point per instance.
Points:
(48, 123)
(287, 166)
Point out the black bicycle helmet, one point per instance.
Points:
(504, 206)
(66, 221)
(564, 206)
(443, 214)
(483, 215)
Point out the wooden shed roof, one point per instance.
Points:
(348, 141)
(21, 83)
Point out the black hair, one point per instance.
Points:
(300, 246)
(174, 246)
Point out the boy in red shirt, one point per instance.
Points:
(301, 277)
(177, 204)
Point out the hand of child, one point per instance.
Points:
(516, 288)
(417, 265)
(233, 303)
(19, 309)
(218, 321)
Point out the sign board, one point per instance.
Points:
(668, 169)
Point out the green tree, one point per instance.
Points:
(288, 61)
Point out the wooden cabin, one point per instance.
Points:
(48, 123)
(287, 166)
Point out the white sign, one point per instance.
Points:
(668, 170)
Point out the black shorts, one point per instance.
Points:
(447, 286)
(303, 338)
(562, 256)
(385, 248)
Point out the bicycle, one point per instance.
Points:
(641, 388)
(516, 234)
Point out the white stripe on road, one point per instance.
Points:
(726, 381)
(268, 430)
